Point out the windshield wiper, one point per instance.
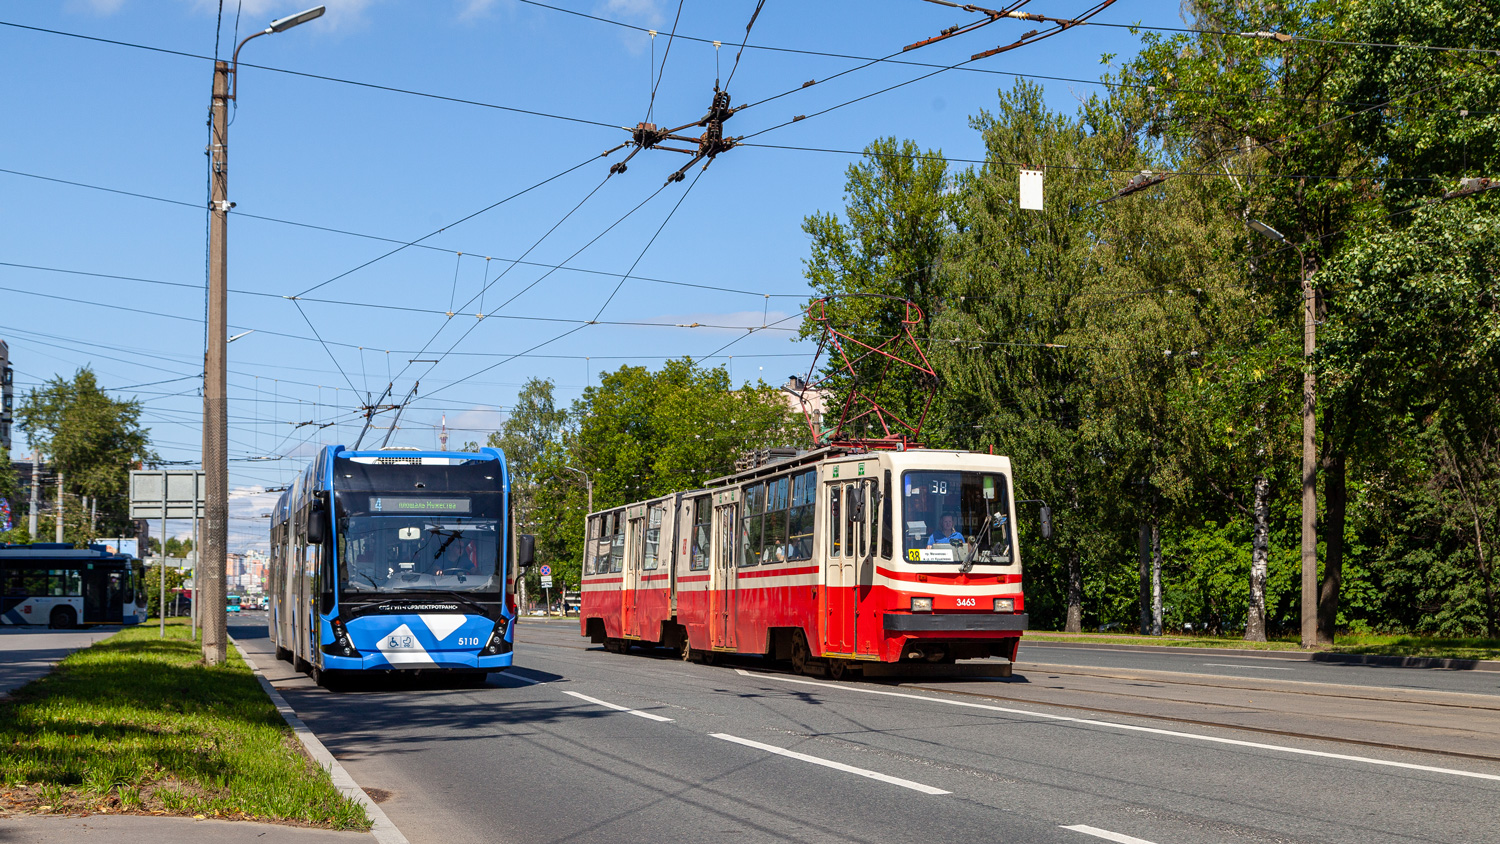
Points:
(978, 540)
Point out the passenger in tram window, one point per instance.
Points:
(949, 535)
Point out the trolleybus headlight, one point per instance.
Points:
(341, 645)
(921, 605)
(1005, 605)
(497, 643)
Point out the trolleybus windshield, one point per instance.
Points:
(446, 542)
(947, 516)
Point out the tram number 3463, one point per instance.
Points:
(967, 602)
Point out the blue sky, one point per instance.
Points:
(380, 164)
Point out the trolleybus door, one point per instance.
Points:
(722, 587)
(838, 581)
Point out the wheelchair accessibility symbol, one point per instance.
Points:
(399, 642)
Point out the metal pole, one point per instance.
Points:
(59, 507)
(1309, 461)
(36, 477)
(161, 563)
(215, 401)
(197, 556)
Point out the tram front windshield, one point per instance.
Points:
(448, 543)
(951, 517)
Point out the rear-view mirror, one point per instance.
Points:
(525, 551)
(1046, 522)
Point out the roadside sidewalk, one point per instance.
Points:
(27, 653)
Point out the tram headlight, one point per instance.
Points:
(921, 605)
(1005, 605)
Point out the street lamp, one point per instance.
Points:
(1309, 440)
(588, 484)
(215, 376)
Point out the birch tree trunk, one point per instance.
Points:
(1260, 552)
(1155, 580)
(1075, 593)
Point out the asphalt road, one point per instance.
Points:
(27, 653)
(1269, 666)
(579, 745)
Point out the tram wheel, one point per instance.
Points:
(709, 657)
(837, 669)
(616, 646)
(801, 657)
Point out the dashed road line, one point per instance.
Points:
(1117, 837)
(618, 708)
(828, 763)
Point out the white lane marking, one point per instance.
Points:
(1106, 834)
(1298, 751)
(1256, 667)
(618, 708)
(509, 676)
(828, 763)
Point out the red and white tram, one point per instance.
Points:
(891, 562)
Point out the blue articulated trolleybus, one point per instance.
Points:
(396, 561)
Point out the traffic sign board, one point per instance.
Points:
(546, 571)
(546, 582)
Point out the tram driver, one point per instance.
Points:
(949, 535)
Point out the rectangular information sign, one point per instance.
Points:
(412, 504)
(172, 494)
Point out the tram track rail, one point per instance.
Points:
(989, 694)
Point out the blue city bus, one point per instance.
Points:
(396, 561)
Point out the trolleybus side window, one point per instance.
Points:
(653, 537)
(754, 510)
(702, 527)
(835, 522)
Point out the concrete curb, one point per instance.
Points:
(1287, 656)
(384, 831)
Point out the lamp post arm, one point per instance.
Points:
(234, 62)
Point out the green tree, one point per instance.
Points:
(898, 210)
(92, 440)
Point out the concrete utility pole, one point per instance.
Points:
(1309, 439)
(215, 401)
(36, 477)
(210, 576)
(59, 507)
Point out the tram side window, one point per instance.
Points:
(754, 508)
(773, 544)
(835, 522)
(653, 537)
(885, 518)
(800, 520)
(617, 542)
(702, 528)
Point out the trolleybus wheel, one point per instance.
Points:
(283, 654)
(476, 680)
(64, 618)
(837, 669)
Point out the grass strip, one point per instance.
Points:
(135, 724)
(1348, 643)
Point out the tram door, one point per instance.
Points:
(721, 587)
(862, 532)
(634, 555)
(838, 571)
